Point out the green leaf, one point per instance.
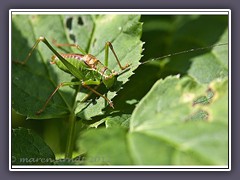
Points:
(124, 31)
(118, 121)
(112, 150)
(163, 130)
(169, 34)
(34, 82)
(30, 149)
(212, 65)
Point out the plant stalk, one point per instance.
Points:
(71, 134)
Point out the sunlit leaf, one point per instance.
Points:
(163, 130)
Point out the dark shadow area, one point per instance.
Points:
(137, 86)
(174, 34)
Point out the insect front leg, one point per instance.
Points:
(51, 95)
(107, 46)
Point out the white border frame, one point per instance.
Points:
(122, 11)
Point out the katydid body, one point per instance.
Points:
(85, 67)
(91, 68)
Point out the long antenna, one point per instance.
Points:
(183, 52)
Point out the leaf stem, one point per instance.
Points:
(70, 140)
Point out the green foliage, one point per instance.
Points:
(170, 111)
(30, 149)
(162, 130)
(210, 66)
(123, 31)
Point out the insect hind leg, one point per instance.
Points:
(71, 45)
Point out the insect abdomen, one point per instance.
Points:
(75, 59)
(84, 63)
(96, 65)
